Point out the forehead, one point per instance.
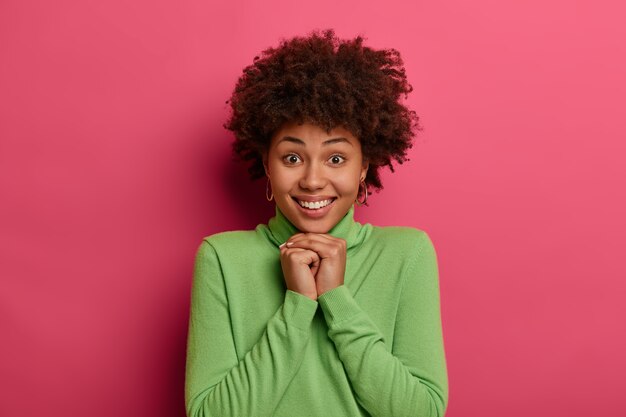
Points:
(310, 135)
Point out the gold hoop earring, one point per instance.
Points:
(267, 189)
(360, 203)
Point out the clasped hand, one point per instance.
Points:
(313, 263)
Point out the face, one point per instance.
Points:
(309, 167)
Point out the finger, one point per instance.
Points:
(296, 235)
(284, 250)
(318, 236)
(282, 245)
(315, 266)
(323, 247)
(301, 253)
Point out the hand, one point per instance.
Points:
(299, 267)
(332, 254)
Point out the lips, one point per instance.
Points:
(313, 198)
(315, 213)
(313, 203)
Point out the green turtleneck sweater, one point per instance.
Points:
(370, 347)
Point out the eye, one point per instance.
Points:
(335, 157)
(289, 158)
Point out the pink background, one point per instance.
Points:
(114, 165)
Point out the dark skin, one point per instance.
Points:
(313, 263)
(314, 162)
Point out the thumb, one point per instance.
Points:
(314, 267)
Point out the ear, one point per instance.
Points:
(366, 166)
(265, 166)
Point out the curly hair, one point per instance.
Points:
(328, 82)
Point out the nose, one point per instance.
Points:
(313, 177)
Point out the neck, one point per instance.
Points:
(280, 229)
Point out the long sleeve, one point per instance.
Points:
(216, 382)
(412, 379)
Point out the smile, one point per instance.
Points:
(315, 205)
(315, 209)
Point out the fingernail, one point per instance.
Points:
(282, 245)
(289, 243)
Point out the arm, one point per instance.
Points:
(412, 380)
(216, 382)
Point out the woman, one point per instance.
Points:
(315, 314)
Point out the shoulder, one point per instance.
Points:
(415, 250)
(226, 247)
(401, 237)
(406, 244)
(230, 240)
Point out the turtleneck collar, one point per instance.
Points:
(280, 229)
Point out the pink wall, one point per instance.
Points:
(114, 165)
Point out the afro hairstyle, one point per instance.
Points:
(328, 82)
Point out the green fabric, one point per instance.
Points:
(374, 347)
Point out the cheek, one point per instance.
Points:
(283, 179)
(347, 183)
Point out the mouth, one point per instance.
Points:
(314, 205)
(315, 209)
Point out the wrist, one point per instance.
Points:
(322, 290)
(313, 296)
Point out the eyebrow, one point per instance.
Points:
(301, 142)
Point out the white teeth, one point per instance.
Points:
(315, 205)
